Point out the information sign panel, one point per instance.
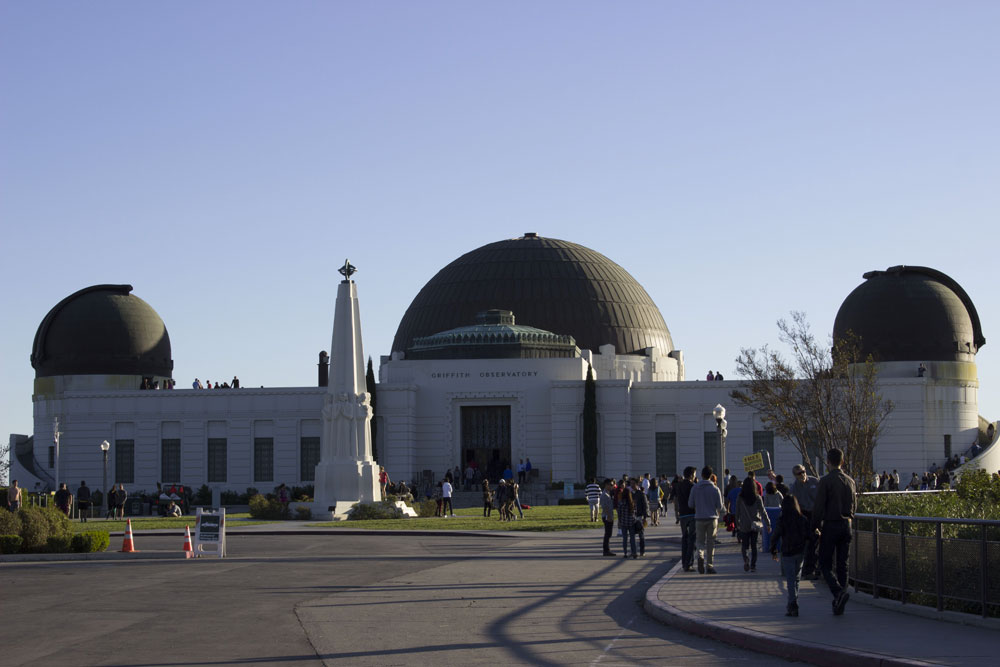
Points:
(210, 531)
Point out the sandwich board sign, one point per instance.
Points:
(210, 531)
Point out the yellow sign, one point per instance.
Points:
(753, 462)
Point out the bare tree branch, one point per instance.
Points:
(823, 397)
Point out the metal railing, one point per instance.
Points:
(947, 563)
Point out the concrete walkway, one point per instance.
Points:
(747, 609)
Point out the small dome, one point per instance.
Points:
(554, 285)
(911, 313)
(102, 330)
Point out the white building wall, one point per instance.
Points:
(419, 403)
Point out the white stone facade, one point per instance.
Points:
(419, 421)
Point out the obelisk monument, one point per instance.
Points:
(346, 473)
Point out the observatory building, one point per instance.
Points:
(488, 364)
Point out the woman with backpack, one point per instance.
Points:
(794, 530)
(750, 518)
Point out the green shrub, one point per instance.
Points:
(262, 508)
(572, 501)
(379, 510)
(90, 541)
(425, 508)
(229, 498)
(58, 544)
(59, 523)
(203, 496)
(303, 514)
(10, 544)
(35, 529)
(302, 494)
(10, 523)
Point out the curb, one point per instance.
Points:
(782, 647)
(99, 555)
(168, 555)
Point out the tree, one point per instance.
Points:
(4, 462)
(590, 425)
(823, 397)
(370, 388)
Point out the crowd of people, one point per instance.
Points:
(808, 526)
(234, 384)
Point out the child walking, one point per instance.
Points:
(794, 530)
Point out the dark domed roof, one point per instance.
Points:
(549, 284)
(911, 313)
(102, 330)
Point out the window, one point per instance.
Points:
(666, 454)
(947, 446)
(712, 452)
(263, 459)
(125, 461)
(52, 456)
(170, 460)
(763, 441)
(217, 460)
(308, 458)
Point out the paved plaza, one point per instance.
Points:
(288, 595)
(343, 599)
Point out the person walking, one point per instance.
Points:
(446, 490)
(487, 499)
(515, 496)
(13, 496)
(836, 499)
(685, 515)
(83, 500)
(793, 529)
(112, 502)
(607, 503)
(383, 480)
(120, 497)
(626, 520)
(641, 500)
(654, 502)
(706, 501)
(804, 489)
(751, 517)
(63, 499)
(593, 493)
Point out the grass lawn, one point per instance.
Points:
(159, 523)
(538, 519)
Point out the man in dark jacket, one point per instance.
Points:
(83, 500)
(686, 515)
(833, 513)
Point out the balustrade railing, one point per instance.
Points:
(950, 564)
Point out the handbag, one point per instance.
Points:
(758, 526)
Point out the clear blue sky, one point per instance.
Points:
(741, 160)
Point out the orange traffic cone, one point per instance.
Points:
(188, 551)
(128, 545)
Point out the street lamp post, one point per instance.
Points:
(720, 425)
(105, 446)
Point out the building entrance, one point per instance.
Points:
(486, 438)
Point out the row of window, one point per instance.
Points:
(218, 460)
(666, 450)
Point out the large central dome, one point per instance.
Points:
(549, 284)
